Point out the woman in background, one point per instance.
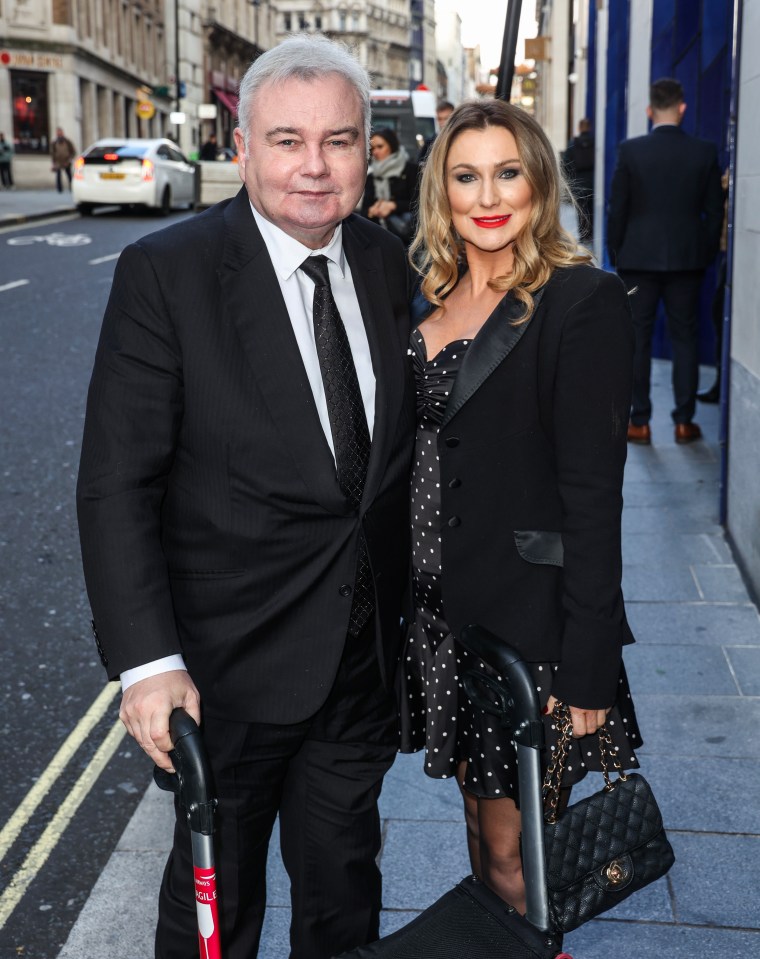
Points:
(390, 195)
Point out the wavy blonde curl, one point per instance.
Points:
(437, 252)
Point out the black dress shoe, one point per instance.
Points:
(710, 396)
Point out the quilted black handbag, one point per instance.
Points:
(603, 848)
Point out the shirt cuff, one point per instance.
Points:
(131, 676)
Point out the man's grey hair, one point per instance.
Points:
(303, 57)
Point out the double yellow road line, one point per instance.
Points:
(39, 853)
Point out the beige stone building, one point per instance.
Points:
(110, 67)
(377, 31)
(100, 68)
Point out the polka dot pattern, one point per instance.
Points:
(435, 713)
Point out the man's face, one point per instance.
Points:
(305, 164)
(442, 116)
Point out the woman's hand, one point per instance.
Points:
(584, 721)
(382, 208)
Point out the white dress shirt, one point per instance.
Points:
(287, 254)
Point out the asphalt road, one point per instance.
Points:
(69, 780)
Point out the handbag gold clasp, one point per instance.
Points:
(615, 872)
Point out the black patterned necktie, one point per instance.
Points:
(348, 421)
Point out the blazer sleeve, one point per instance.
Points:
(617, 208)
(134, 413)
(591, 403)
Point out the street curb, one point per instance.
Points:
(18, 219)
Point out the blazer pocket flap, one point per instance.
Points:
(540, 546)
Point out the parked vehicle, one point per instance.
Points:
(409, 113)
(128, 172)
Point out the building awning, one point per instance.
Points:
(228, 100)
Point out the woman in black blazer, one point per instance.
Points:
(523, 371)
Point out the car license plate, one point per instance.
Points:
(112, 176)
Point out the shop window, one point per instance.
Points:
(29, 97)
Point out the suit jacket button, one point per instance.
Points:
(455, 521)
(345, 590)
(452, 441)
(454, 483)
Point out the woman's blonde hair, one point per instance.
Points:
(438, 252)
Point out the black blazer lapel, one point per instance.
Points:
(388, 353)
(254, 303)
(495, 341)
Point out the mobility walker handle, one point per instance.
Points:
(192, 783)
(513, 698)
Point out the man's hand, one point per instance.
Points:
(584, 721)
(147, 705)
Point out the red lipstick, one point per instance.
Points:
(491, 222)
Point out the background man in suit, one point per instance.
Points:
(663, 228)
(245, 542)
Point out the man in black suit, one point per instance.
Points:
(243, 505)
(663, 228)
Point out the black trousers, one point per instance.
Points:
(679, 292)
(323, 777)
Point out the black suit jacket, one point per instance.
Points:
(532, 449)
(211, 519)
(666, 204)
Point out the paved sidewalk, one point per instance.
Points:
(695, 674)
(25, 206)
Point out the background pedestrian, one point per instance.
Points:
(578, 168)
(6, 162)
(390, 194)
(62, 153)
(663, 227)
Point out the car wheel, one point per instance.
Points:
(166, 202)
(85, 209)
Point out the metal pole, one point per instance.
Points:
(176, 56)
(508, 50)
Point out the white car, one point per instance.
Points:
(125, 172)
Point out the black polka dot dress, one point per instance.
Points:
(435, 712)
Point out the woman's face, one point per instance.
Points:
(490, 199)
(379, 148)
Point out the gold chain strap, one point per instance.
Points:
(556, 769)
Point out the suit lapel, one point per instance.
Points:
(254, 303)
(388, 353)
(495, 341)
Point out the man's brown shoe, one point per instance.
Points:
(639, 434)
(687, 432)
